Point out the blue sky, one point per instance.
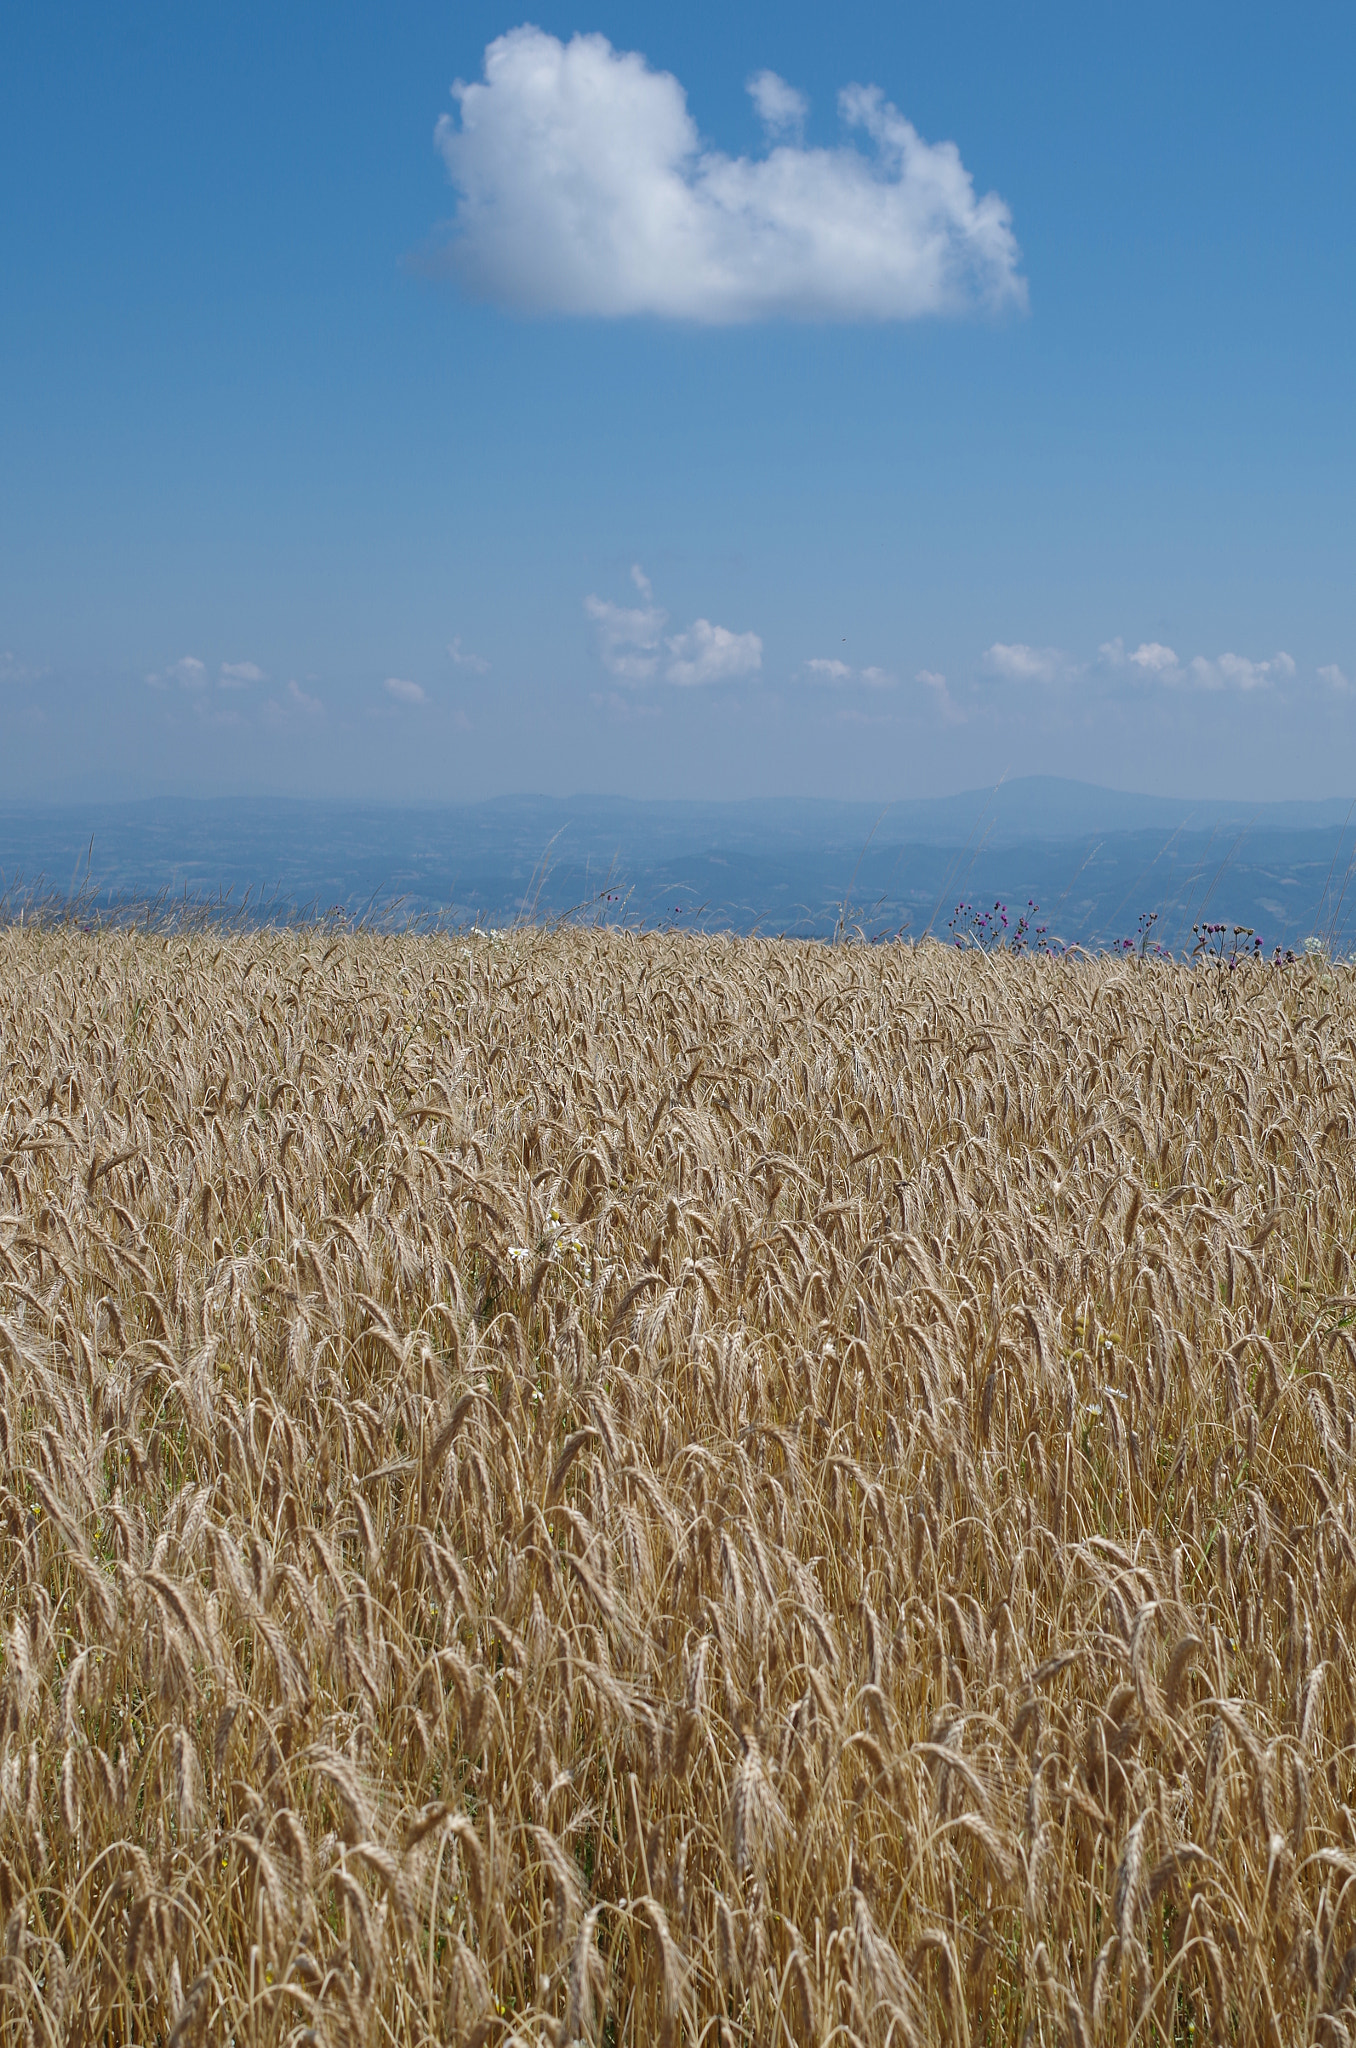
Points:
(572, 447)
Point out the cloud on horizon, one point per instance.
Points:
(934, 681)
(1224, 672)
(584, 189)
(238, 675)
(831, 670)
(280, 713)
(1018, 663)
(1235, 671)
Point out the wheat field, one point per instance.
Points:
(635, 1488)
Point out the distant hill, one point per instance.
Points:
(1093, 859)
(1028, 807)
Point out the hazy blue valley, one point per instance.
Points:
(1094, 861)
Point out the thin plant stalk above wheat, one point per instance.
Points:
(616, 1488)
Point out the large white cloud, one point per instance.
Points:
(585, 188)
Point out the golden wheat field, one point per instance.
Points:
(613, 1488)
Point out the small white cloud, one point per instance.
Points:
(584, 189)
(280, 712)
(625, 709)
(828, 670)
(461, 658)
(932, 679)
(1236, 672)
(779, 107)
(628, 638)
(712, 654)
(238, 675)
(404, 692)
(12, 670)
(1022, 664)
(1153, 657)
(188, 672)
(1334, 678)
(853, 713)
(1224, 672)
